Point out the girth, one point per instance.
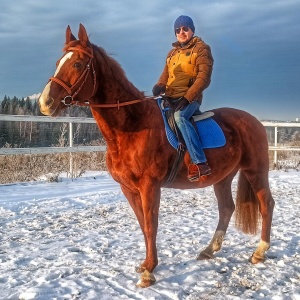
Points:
(169, 112)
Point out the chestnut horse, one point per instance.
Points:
(139, 156)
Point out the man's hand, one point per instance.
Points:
(158, 89)
(182, 103)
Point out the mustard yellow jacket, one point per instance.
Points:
(188, 70)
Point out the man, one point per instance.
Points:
(186, 74)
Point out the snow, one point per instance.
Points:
(80, 240)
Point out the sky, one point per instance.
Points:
(255, 45)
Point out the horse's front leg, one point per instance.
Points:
(145, 203)
(150, 196)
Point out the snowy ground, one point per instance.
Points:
(80, 240)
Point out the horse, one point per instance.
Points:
(140, 158)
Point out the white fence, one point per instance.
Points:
(71, 148)
(48, 150)
(277, 148)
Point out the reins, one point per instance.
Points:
(111, 105)
(69, 99)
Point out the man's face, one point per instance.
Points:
(184, 34)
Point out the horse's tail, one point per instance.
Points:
(247, 214)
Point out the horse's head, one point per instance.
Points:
(74, 78)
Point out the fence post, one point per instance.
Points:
(275, 144)
(71, 145)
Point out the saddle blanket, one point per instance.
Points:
(210, 133)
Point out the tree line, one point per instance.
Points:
(38, 134)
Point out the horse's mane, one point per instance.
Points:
(113, 71)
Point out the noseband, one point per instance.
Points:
(70, 98)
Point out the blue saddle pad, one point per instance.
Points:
(211, 135)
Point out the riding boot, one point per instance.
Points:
(197, 170)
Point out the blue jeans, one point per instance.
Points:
(189, 133)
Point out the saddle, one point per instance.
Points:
(170, 107)
(210, 133)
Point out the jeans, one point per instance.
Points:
(189, 133)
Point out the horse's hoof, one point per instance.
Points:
(205, 255)
(147, 279)
(255, 259)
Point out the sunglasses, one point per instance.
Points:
(184, 28)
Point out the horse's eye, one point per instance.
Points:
(77, 65)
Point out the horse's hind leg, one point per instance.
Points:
(260, 185)
(226, 208)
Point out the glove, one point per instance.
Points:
(182, 103)
(158, 89)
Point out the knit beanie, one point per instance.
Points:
(184, 21)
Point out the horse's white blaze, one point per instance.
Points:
(45, 94)
(62, 61)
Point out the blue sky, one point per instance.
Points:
(255, 44)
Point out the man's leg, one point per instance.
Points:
(193, 143)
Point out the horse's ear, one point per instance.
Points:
(82, 35)
(69, 35)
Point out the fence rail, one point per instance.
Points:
(20, 118)
(72, 149)
(49, 150)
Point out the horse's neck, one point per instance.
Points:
(114, 88)
(122, 126)
(124, 118)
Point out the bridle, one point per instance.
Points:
(69, 100)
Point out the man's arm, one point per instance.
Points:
(204, 65)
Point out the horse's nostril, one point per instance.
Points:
(49, 101)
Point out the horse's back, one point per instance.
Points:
(240, 122)
(236, 117)
(241, 126)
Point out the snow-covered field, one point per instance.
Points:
(80, 240)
